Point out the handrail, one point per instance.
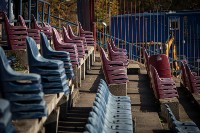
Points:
(64, 20)
(139, 56)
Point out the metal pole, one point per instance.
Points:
(48, 18)
(198, 48)
(194, 44)
(20, 7)
(124, 24)
(121, 24)
(150, 33)
(118, 32)
(154, 32)
(139, 33)
(132, 47)
(190, 40)
(157, 27)
(136, 28)
(29, 12)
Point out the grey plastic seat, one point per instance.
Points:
(49, 53)
(52, 71)
(25, 89)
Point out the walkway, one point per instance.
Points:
(145, 107)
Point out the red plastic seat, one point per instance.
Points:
(163, 87)
(45, 28)
(83, 32)
(193, 80)
(114, 71)
(112, 43)
(79, 43)
(161, 64)
(16, 35)
(34, 33)
(146, 60)
(184, 75)
(115, 55)
(59, 45)
(88, 35)
(74, 37)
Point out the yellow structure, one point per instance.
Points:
(168, 45)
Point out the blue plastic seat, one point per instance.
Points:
(97, 123)
(113, 112)
(178, 126)
(120, 105)
(110, 124)
(22, 90)
(90, 129)
(52, 71)
(5, 117)
(49, 53)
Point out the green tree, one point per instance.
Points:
(104, 9)
(66, 10)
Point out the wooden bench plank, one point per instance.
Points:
(35, 125)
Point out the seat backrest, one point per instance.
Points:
(146, 59)
(21, 21)
(34, 24)
(161, 64)
(70, 31)
(90, 129)
(95, 121)
(44, 44)
(65, 34)
(104, 62)
(110, 50)
(112, 43)
(4, 64)
(190, 78)
(32, 50)
(56, 37)
(80, 28)
(184, 74)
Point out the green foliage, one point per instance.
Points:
(63, 9)
(104, 9)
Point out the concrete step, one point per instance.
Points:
(71, 129)
(133, 68)
(72, 124)
(75, 97)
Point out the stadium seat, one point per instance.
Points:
(52, 71)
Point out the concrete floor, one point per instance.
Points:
(145, 108)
